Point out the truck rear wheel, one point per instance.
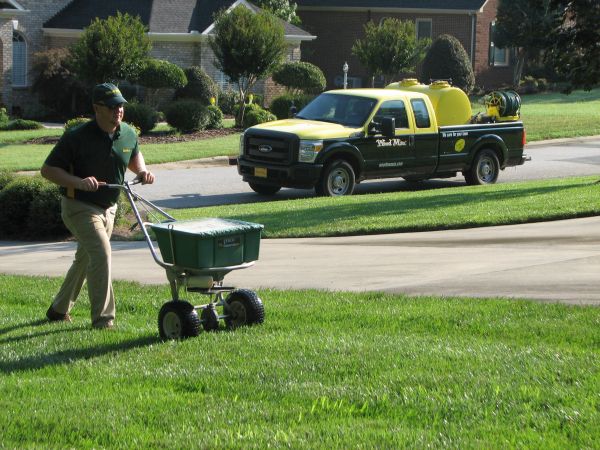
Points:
(485, 168)
(265, 189)
(337, 179)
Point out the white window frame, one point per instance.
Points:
(420, 21)
(500, 55)
(21, 81)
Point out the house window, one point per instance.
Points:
(423, 28)
(224, 82)
(19, 68)
(498, 56)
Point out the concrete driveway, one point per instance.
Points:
(552, 261)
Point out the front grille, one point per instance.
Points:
(270, 147)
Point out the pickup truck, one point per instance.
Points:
(406, 130)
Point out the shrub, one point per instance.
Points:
(300, 77)
(528, 85)
(158, 74)
(215, 118)
(22, 124)
(227, 100)
(280, 106)
(447, 58)
(187, 115)
(142, 116)
(3, 116)
(34, 206)
(254, 114)
(199, 86)
(75, 122)
(5, 178)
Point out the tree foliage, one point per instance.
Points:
(113, 49)
(447, 58)
(200, 86)
(157, 74)
(280, 8)
(526, 26)
(300, 77)
(248, 46)
(575, 50)
(390, 47)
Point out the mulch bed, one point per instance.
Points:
(158, 138)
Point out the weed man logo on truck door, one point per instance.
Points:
(265, 148)
(395, 142)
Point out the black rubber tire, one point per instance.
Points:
(209, 318)
(485, 168)
(243, 307)
(178, 320)
(337, 179)
(264, 189)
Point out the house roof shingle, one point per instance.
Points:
(460, 5)
(160, 16)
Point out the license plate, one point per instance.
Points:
(260, 172)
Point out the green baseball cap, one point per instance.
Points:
(107, 94)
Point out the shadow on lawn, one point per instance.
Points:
(71, 355)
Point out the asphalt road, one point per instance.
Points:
(178, 186)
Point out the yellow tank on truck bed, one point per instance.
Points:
(451, 104)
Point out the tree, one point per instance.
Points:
(111, 50)
(447, 58)
(390, 47)
(248, 46)
(200, 86)
(526, 26)
(299, 77)
(280, 8)
(157, 74)
(574, 51)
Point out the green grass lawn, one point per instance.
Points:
(325, 370)
(426, 210)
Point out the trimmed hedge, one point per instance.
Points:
(280, 106)
(21, 124)
(447, 58)
(215, 118)
(199, 86)
(300, 76)
(142, 116)
(187, 115)
(254, 114)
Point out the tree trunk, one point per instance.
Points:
(518, 71)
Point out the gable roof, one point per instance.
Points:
(160, 16)
(390, 5)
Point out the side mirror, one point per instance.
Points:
(388, 126)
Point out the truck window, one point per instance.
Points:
(395, 109)
(421, 114)
(347, 110)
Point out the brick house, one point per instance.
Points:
(178, 30)
(339, 23)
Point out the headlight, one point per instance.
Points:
(309, 151)
(242, 144)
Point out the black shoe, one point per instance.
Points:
(54, 316)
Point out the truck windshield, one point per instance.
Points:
(347, 110)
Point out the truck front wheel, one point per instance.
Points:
(337, 179)
(485, 168)
(264, 189)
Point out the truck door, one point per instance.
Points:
(425, 139)
(386, 156)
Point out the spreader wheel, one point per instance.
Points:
(243, 307)
(178, 320)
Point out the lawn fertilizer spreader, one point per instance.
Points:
(196, 255)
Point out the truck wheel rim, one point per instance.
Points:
(338, 182)
(486, 170)
(172, 325)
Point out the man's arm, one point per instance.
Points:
(63, 178)
(138, 166)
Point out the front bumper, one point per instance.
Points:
(299, 175)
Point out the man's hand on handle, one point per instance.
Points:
(146, 177)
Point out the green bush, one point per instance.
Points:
(447, 58)
(142, 116)
(300, 77)
(187, 115)
(157, 74)
(21, 124)
(280, 106)
(215, 118)
(199, 86)
(227, 101)
(34, 206)
(5, 178)
(3, 116)
(75, 122)
(254, 114)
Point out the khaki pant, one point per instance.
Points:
(92, 226)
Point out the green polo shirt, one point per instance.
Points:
(87, 151)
